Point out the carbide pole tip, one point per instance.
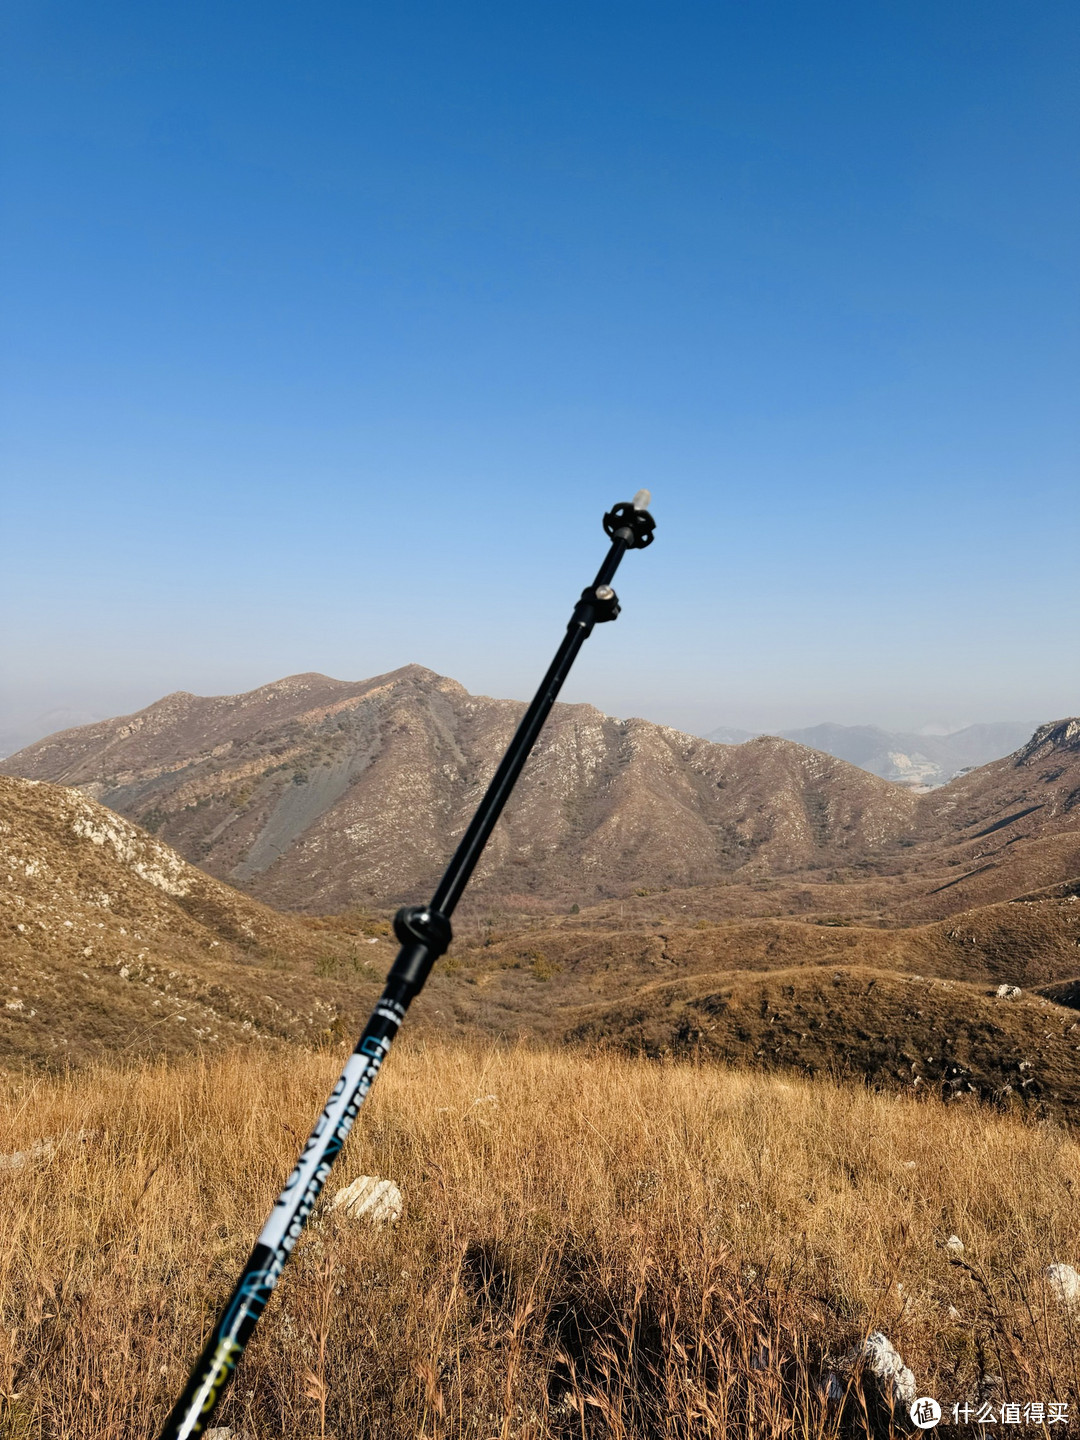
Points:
(642, 500)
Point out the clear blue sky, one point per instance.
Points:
(331, 330)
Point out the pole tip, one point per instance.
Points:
(642, 500)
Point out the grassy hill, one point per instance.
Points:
(113, 945)
(591, 1247)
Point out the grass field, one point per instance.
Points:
(591, 1246)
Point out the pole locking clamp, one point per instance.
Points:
(606, 601)
(597, 604)
(420, 925)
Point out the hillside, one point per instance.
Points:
(1033, 791)
(314, 794)
(895, 1031)
(897, 1007)
(1030, 942)
(112, 944)
(998, 832)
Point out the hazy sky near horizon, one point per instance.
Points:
(332, 331)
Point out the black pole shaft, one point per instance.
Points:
(425, 934)
(472, 843)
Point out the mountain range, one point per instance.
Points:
(763, 903)
(315, 794)
(908, 758)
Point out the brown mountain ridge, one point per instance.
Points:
(315, 794)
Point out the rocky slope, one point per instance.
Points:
(1034, 791)
(315, 794)
(111, 943)
(1010, 827)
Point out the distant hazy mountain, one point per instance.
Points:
(729, 735)
(16, 734)
(907, 758)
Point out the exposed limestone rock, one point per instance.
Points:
(1008, 992)
(370, 1198)
(894, 1381)
(155, 863)
(833, 1388)
(1057, 735)
(1065, 1283)
(39, 1150)
(875, 1379)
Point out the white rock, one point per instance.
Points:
(1065, 1283)
(39, 1150)
(954, 1245)
(953, 1313)
(370, 1198)
(882, 1360)
(1007, 992)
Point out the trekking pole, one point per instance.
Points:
(424, 933)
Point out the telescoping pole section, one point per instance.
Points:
(424, 932)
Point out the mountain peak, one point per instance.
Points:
(307, 680)
(1056, 735)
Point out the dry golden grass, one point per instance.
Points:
(592, 1246)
